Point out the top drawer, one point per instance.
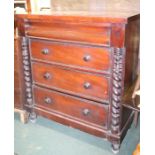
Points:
(77, 56)
(72, 32)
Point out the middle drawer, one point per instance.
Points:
(87, 85)
(77, 56)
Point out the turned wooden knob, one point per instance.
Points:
(87, 85)
(87, 58)
(48, 100)
(45, 51)
(86, 112)
(47, 76)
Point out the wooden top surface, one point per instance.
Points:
(93, 10)
(78, 18)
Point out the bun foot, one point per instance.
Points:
(33, 117)
(115, 148)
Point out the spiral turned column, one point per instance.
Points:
(117, 87)
(27, 77)
(27, 72)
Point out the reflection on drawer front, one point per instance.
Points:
(81, 56)
(92, 86)
(71, 106)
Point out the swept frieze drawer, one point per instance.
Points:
(97, 35)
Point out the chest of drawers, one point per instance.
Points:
(77, 68)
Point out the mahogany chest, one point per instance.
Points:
(77, 69)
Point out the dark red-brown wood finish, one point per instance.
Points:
(96, 59)
(71, 106)
(18, 77)
(85, 84)
(76, 69)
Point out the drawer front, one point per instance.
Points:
(83, 84)
(98, 35)
(75, 55)
(71, 106)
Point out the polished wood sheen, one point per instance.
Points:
(71, 106)
(77, 66)
(85, 57)
(85, 84)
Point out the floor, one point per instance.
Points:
(49, 138)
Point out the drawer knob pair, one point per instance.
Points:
(47, 76)
(48, 100)
(86, 112)
(87, 58)
(45, 51)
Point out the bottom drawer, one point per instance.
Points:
(74, 107)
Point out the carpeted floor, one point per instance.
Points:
(49, 138)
